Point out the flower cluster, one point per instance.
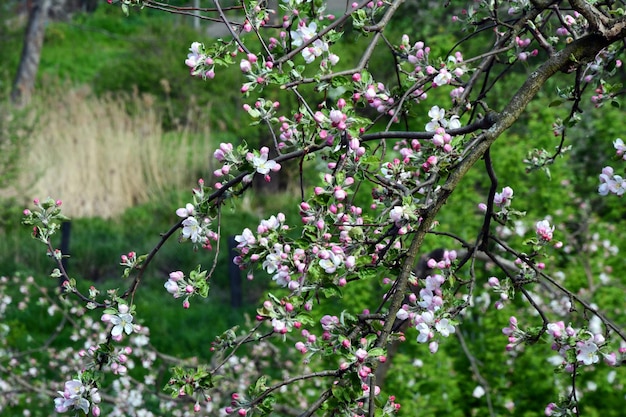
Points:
(45, 219)
(611, 183)
(375, 94)
(438, 124)
(262, 164)
(256, 71)
(185, 287)
(279, 259)
(239, 404)
(200, 64)
(196, 228)
(263, 109)
(281, 315)
(428, 313)
(504, 291)
(575, 25)
(514, 334)
(544, 231)
(303, 36)
(520, 49)
(604, 66)
(121, 319)
(335, 123)
(503, 199)
(578, 347)
(453, 69)
(78, 397)
(335, 186)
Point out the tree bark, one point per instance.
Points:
(24, 83)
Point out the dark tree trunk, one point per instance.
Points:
(29, 63)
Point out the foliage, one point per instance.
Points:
(411, 229)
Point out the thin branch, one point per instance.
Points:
(382, 23)
(333, 372)
(609, 323)
(476, 370)
(484, 233)
(317, 404)
(230, 28)
(544, 319)
(243, 340)
(135, 284)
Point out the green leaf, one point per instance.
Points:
(340, 82)
(331, 291)
(305, 318)
(260, 385)
(376, 352)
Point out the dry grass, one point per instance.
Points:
(90, 153)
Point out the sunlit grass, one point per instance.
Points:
(100, 158)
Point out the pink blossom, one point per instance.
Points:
(544, 230)
(186, 211)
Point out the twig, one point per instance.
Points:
(476, 370)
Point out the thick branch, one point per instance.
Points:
(580, 51)
(577, 52)
(484, 123)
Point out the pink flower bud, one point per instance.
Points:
(493, 282)
(610, 359)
